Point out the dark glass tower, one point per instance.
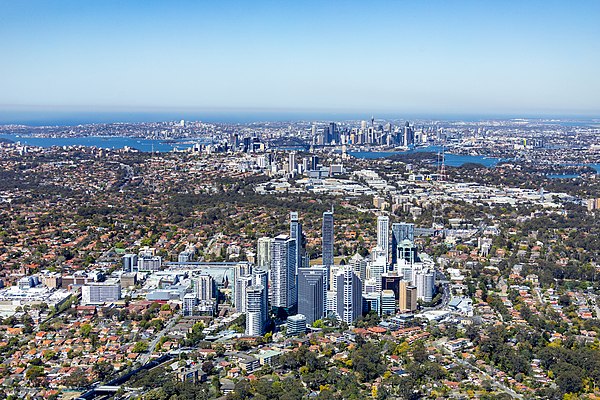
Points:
(311, 293)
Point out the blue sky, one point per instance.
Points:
(428, 57)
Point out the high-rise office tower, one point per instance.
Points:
(190, 301)
(391, 281)
(359, 266)
(296, 233)
(407, 251)
(409, 135)
(349, 295)
(255, 310)
(376, 267)
(205, 287)
(311, 293)
(283, 293)
(305, 165)
(388, 302)
(332, 132)
(408, 297)
(383, 233)
(371, 302)
(401, 232)
(327, 240)
(292, 162)
(314, 163)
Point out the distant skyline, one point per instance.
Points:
(517, 58)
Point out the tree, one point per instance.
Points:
(569, 378)
(85, 330)
(368, 361)
(77, 379)
(219, 349)
(35, 373)
(140, 347)
(208, 367)
(103, 370)
(419, 352)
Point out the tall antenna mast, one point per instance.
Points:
(443, 167)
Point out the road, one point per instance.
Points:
(495, 383)
(594, 301)
(440, 277)
(146, 356)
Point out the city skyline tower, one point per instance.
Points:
(327, 241)
(348, 295)
(383, 233)
(296, 233)
(311, 293)
(283, 292)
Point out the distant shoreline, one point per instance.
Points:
(38, 119)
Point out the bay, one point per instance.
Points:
(451, 160)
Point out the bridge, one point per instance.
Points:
(107, 389)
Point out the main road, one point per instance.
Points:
(146, 356)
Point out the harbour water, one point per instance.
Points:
(160, 145)
(451, 160)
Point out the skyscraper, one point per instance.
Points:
(241, 286)
(311, 293)
(383, 233)
(292, 163)
(205, 287)
(190, 301)
(376, 267)
(359, 266)
(327, 240)
(240, 269)
(332, 132)
(283, 291)
(349, 296)
(409, 135)
(296, 233)
(263, 253)
(314, 163)
(425, 283)
(404, 231)
(391, 281)
(388, 302)
(261, 278)
(255, 310)
(407, 251)
(401, 232)
(408, 297)
(130, 262)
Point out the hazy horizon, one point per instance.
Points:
(67, 118)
